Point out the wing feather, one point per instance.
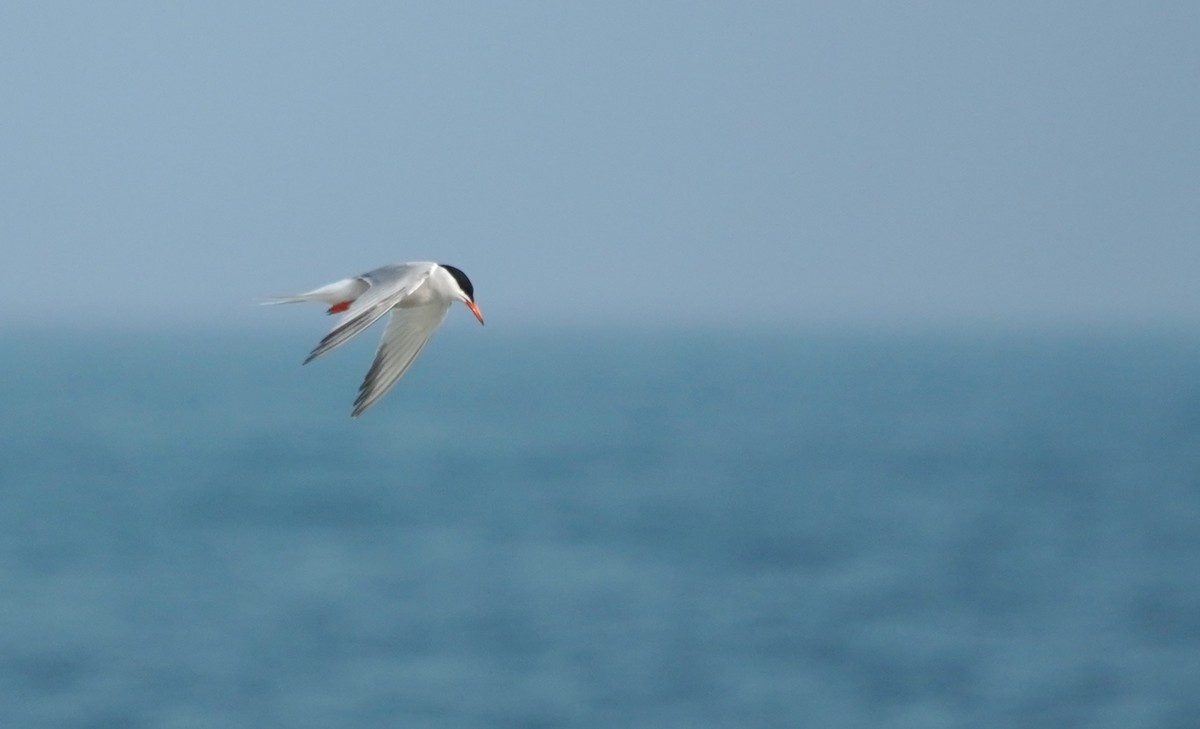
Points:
(407, 332)
(387, 287)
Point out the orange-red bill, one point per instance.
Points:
(339, 307)
(475, 310)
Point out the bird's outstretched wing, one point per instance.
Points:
(386, 287)
(405, 336)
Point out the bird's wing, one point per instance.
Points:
(405, 336)
(387, 287)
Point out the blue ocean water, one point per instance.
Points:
(592, 529)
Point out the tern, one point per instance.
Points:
(418, 295)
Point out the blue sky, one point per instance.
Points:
(618, 163)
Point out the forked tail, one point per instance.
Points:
(339, 295)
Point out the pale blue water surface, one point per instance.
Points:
(602, 530)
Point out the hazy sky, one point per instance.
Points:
(783, 163)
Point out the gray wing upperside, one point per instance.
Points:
(387, 287)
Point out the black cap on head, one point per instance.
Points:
(464, 283)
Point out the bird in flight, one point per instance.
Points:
(418, 295)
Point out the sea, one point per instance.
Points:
(600, 528)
